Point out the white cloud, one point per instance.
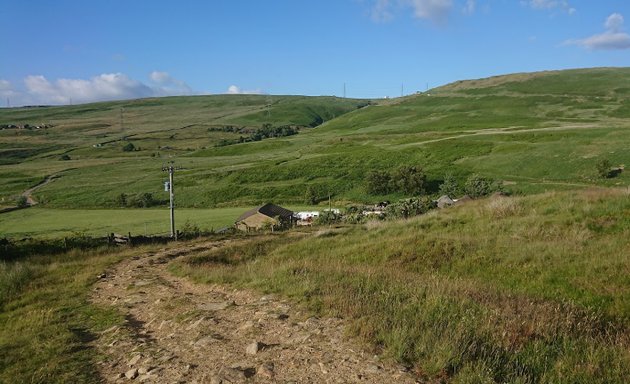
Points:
(235, 90)
(614, 22)
(551, 4)
(108, 86)
(168, 85)
(613, 38)
(38, 90)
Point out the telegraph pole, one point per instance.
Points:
(170, 168)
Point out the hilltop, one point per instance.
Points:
(535, 132)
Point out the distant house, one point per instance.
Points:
(266, 216)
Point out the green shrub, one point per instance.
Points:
(22, 202)
(129, 147)
(478, 186)
(328, 217)
(603, 168)
(450, 186)
(378, 182)
(409, 207)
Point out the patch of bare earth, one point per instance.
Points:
(177, 331)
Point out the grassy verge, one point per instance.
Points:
(54, 223)
(47, 321)
(527, 290)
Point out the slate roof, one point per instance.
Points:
(270, 210)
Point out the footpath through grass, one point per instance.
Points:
(522, 290)
(46, 319)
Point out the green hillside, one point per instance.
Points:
(535, 132)
(530, 289)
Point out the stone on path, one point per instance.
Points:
(253, 348)
(134, 360)
(131, 374)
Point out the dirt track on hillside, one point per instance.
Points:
(181, 332)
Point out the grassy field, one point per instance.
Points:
(521, 290)
(538, 132)
(55, 223)
(47, 321)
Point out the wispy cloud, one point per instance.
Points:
(563, 5)
(108, 86)
(382, 11)
(469, 7)
(236, 90)
(613, 38)
(436, 11)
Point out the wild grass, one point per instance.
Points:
(47, 320)
(529, 289)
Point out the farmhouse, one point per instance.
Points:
(266, 216)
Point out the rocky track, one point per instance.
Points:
(177, 331)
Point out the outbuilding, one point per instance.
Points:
(266, 216)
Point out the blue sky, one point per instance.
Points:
(57, 52)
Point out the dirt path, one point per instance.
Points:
(29, 192)
(180, 332)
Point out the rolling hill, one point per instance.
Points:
(536, 132)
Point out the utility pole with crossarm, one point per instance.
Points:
(170, 168)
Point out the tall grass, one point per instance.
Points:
(46, 319)
(525, 290)
(13, 276)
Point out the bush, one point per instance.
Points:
(410, 180)
(410, 207)
(65, 157)
(450, 186)
(22, 202)
(190, 230)
(603, 168)
(140, 200)
(121, 200)
(378, 182)
(478, 186)
(144, 200)
(328, 217)
(129, 147)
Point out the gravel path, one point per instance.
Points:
(180, 332)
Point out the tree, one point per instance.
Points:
(129, 147)
(450, 186)
(603, 168)
(410, 179)
(65, 157)
(378, 182)
(310, 196)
